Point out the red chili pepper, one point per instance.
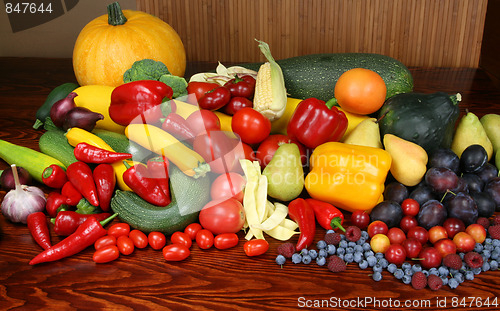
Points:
(215, 99)
(73, 196)
(314, 123)
(138, 98)
(105, 181)
(37, 225)
(55, 203)
(91, 154)
(327, 215)
(80, 175)
(139, 180)
(303, 214)
(178, 127)
(54, 176)
(158, 169)
(67, 222)
(241, 87)
(85, 236)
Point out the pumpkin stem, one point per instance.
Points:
(115, 15)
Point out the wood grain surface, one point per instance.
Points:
(209, 279)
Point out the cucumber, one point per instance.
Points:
(315, 75)
(120, 143)
(189, 195)
(56, 94)
(55, 144)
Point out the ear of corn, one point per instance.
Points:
(270, 92)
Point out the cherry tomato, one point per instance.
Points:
(241, 87)
(180, 237)
(205, 239)
(119, 229)
(236, 103)
(250, 125)
(255, 247)
(192, 229)
(157, 240)
(200, 88)
(125, 245)
(410, 207)
(106, 254)
(226, 240)
(202, 121)
(176, 252)
(228, 185)
(215, 99)
(268, 147)
(218, 149)
(105, 241)
(360, 218)
(139, 238)
(222, 216)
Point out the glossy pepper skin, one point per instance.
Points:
(54, 176)
(80, 175)
(73, 196)
(138, 98)
(328, 216)
(66, 222)
(178, 127)
(37, 225)
(215, 99)
(314, 123)
(350, 177)
(105, 181)
(55, 203)
(140, 181)
(91, 154)
(158, 169)
(303, 214)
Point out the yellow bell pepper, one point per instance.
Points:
(352, 121)
(225, 121)
(279, 126)
(350, 177)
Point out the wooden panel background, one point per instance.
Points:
(444, 33)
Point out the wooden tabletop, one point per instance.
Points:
(209, 279)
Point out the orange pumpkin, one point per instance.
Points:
(108, 45)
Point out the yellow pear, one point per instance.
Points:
(409, 160)
(470, 131)
(366, 133)
(352, 121)
(491, 124)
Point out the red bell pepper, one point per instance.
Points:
(200, 88)
(138, 98)
(158, 169)
(37, 225)
(91, 154)
(66, 222)
(303, 214)
(241, 87)
(138, 178)
(55, 203)
(73, 196)
(327, 215)
(105, 181)
(80, 175)
(178, 127)
(314, 123)
(54, 176)
(215, 99)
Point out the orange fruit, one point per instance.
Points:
(360, 91)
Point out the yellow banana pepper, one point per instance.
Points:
(350, 177)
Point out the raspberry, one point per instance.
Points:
(473, 260)
(434, 282)
(286, 249)
(352, 233)
(494, 231)
(336, 264)
(496, 220)
(333, 238)
(453, 261)
(483, 221)
(419, 280)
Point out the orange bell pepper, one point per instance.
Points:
(350, 177)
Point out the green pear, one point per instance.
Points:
(409, 160)
(366, 133)
(491, 124)
(285, 175)
(470, 131)
(497, 158)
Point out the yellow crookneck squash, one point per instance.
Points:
(108, 45)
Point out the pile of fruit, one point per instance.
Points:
(266, 148)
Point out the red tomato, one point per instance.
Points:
(226, 240)
(119, 229)
(106, 254)
(222, 216)
(205, 239)
(104, 241)
(192, 229)
(250, 125)
(255, 247)
(236, 103)
(200, 88)
(268, 147)
(125, 245)
(180, 237)
(139, 238)
(249, 153)
(157, 240)
(218, 149)
(228, 185)
(176, 252)
(202, 121)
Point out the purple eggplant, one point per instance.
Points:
(61, 108)
(81, 117)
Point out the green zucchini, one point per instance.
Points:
(315, 75)
(120, 143)
(56, 94)
(189, 195)
(55, 144)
